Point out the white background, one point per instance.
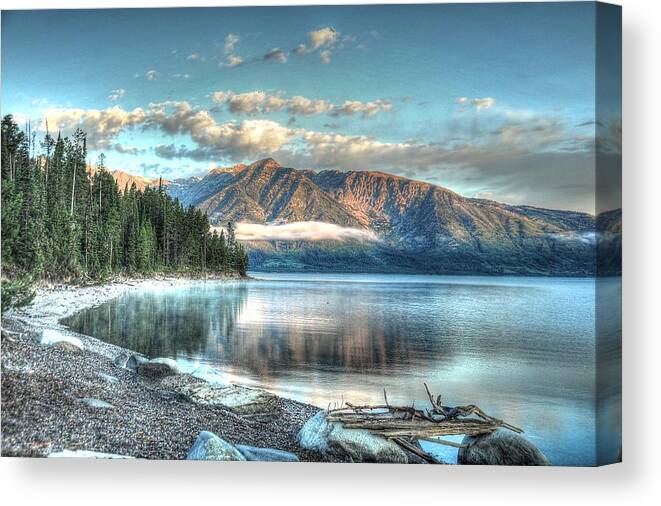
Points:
(636, 481)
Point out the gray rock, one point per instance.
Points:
(7, 335)
(353, 445)
(67, 346)
(52, 337)
(251, 403)
(96, 403)
(158, 368)
(108, 377)
(208, 446)
(129, 361)
(500, 448)
(134, 361)
(209, 374)
(266, 454)
(121, 359)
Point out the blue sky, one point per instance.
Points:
(491, 100)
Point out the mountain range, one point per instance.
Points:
(397, 224)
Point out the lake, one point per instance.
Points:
(523, 349)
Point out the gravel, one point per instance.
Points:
(55, 399)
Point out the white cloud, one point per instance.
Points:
(584, 237)
(366, 109)
(22, 119)
(478, 103)
(323, 42)
(221, 96)
(337, 150)
(275, 103)
(558, 170)
(151, 75)
(322, 38)
(194, 56)
(300, 231)
(100, 125)
(244, 139)
(276, 54)
(242, 103)
(116, 94)
(129, 150)
(250, 137)
(325, 56)
(233, 61)
(483, 103)
(230, 43)
(305, 106)
(259, 102)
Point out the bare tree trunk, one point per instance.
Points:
(73, 188)
(87, 232)
(47, 151)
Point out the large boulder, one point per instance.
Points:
(68, 347)
(353, 445)
(120, 359)
(135, 361)
(209, 374)
(129, 361)
(251, 403)
(500, 448)
(56, 339)
(266, 454)
(158, 368)
(208, 446)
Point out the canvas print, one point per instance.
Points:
(384, 233)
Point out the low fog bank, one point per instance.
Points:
(300, 231)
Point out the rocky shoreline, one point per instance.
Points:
(66, 394)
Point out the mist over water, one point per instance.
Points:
(523, 349)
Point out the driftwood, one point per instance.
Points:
(406, 425)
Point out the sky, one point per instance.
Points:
(490, 100)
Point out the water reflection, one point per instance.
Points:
(173, 322)
(522, 348)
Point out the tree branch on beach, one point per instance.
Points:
(406, 425)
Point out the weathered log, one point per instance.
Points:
(406, 424)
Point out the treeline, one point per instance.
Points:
(63, 220)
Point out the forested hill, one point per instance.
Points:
(421, 227)
(63, 222)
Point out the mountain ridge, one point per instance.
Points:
(421, 226)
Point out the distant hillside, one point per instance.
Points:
(420, 227)
(125, 180)
(263, 192)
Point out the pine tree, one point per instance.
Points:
(63, 219)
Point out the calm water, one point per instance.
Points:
(523, 349)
